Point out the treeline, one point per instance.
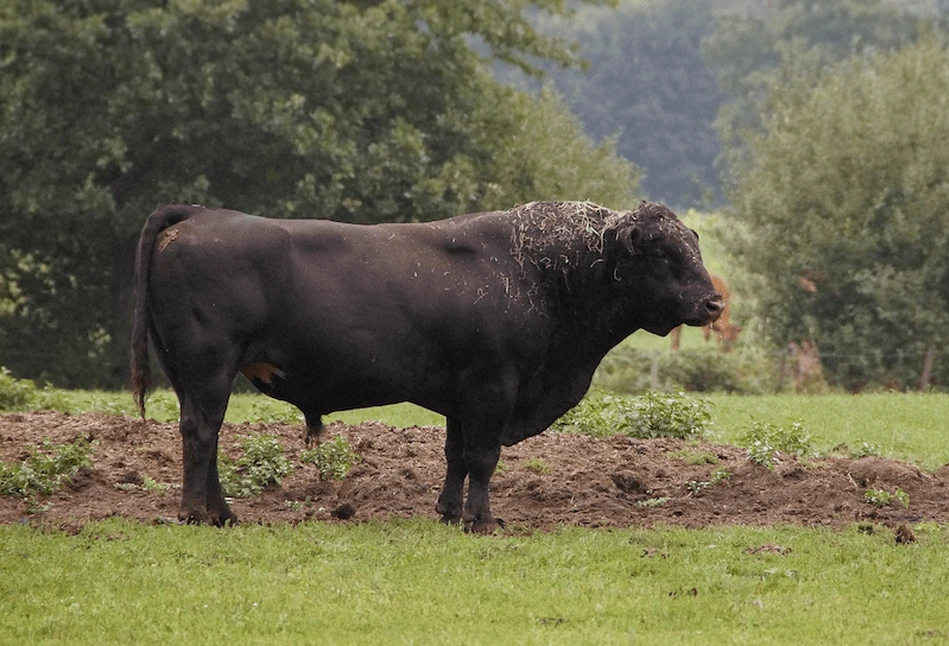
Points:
(817, 128)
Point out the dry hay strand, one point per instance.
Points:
(557, 235)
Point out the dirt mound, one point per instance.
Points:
(543, 482)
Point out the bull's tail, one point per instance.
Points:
(164, 217)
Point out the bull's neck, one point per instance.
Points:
(589, 316)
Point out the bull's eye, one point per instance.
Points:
(659, 253)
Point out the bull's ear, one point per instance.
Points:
(630, 236)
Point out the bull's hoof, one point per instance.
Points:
(451, 519)
(223, 520)
(450, 511)
(485, 526)
(201, 517)
(193, 516)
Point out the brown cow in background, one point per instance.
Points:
(726, 332)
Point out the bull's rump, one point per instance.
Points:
(349, 315)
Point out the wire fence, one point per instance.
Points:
(801, 368)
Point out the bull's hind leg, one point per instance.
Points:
(202, 500)
(452, 496)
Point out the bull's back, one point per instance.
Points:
(392, 311)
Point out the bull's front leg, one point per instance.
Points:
(481, 457)
(488, 395)
(219, 512)
(450, 500)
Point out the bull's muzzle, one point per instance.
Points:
(714, 307)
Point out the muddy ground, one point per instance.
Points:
(544, 482)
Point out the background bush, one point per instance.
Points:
(631, 370)
(653, 414)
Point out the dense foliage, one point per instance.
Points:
(359, 111)
(668, 78)
(46, 468)
(844, 206)
(650, 415)
(748, 50)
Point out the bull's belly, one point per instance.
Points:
(320, 393)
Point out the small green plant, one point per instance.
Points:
(690, 456)
(163, 407)
(333, 459)
(765, 442)
(261, 464)
(148, 484)
(15, 394)
(153, 486)
(695, 487)
(50, 398)
(669, 415)
(653, 502)
(883, 498)
(865, 449)
(274, 412)
(46, 468)
(538, 466)
(298, 505)
(719, 475)
(653, 414)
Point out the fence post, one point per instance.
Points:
(927, 368)
(782, 369)
(654, 370)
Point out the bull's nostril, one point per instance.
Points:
(715, 305)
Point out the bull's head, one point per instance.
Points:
(659, 268)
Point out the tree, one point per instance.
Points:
(358, 111)
(844, 204)
(747, 50)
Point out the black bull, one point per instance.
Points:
(495, 320)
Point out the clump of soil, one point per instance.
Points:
(617, 482)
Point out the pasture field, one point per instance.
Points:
(908, 426)
(417, 582)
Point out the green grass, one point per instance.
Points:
(904, 426)
(419, 582)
